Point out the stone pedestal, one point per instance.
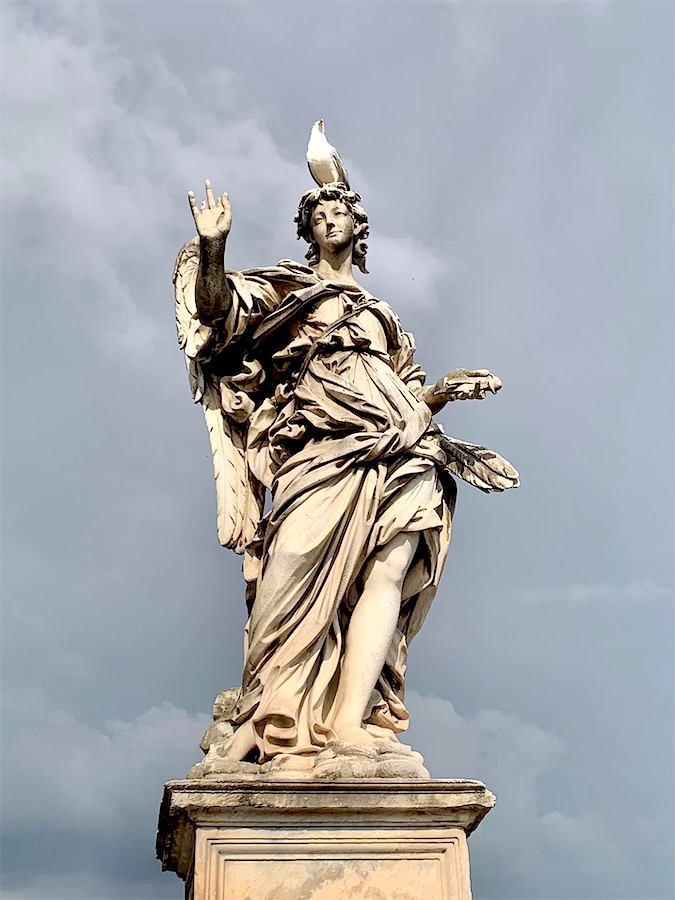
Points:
(310, 840)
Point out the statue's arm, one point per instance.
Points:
(213, 221)
(460, 384)
(428, 395)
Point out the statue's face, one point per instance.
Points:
(332, 225)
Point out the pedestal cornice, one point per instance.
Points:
(188, 805)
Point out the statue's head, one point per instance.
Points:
(335, 193)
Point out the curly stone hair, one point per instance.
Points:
(303, 219)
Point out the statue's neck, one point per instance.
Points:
(336, 267)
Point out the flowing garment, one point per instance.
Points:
(350, 455)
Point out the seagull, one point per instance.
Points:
(325, 165)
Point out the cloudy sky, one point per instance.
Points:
(515, 161)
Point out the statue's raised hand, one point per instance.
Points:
(213, 218)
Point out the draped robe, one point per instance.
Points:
(348, 450)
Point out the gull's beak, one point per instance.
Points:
(320, 124)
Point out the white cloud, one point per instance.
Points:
(642, 591)
(521, 850)
(61, 769)
(405, 272)
(80, 787)
(100, 150)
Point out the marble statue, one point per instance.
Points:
(313, 399)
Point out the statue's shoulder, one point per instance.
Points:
(286, 272)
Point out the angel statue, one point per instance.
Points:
(311, 392)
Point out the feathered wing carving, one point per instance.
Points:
(479, 466)
(239, 496)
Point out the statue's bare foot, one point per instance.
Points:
(243, 742)
(354, 734)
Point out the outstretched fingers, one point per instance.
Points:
(212, 217)
(192, 200)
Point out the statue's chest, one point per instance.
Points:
(327, 310)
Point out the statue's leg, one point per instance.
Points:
(369, 635)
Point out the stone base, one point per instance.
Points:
(308, 840)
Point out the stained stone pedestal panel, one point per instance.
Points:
(303, 840)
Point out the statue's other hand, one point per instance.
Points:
(465, 384)
(213, 219)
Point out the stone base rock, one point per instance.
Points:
(321, 839)
(381, 759)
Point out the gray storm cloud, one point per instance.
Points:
(516, 164)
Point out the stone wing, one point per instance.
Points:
(239, 496)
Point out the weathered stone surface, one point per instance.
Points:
(380, 759)
(313, 398)
(299, 840)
